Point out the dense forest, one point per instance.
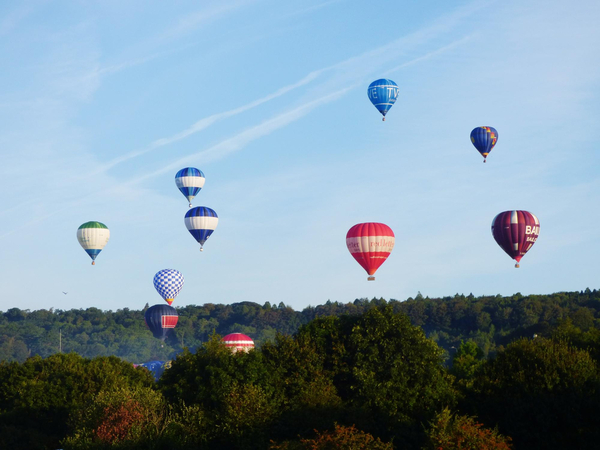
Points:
(362, 375)
(489, 321)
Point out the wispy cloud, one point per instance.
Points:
(192, 21)
(242, 139)
(430, 55)
(357, 66)
(11, 20)
(313, 8)
(349, 73)
(265, 128)
(208, 121)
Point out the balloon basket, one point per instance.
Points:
(371, 279)
(201, 249)
(517, 265)
(93, 263)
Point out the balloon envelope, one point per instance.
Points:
(383, 94)
(157, 368)
(168, 283)
(161, 319)
(238, 342)
(515, 232)
(370, 244)
(484, 139)
(189, 181)
(201, 222)
(93, 236)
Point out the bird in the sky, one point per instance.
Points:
(65, 292)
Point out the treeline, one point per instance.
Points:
(490, 321)
(370, 381)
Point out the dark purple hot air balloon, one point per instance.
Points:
(160, 319)
(515, 232)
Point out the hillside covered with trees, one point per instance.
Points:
(369, 380)
(489, 321)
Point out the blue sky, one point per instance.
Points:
(103, 102)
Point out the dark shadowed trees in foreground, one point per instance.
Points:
(371, 380)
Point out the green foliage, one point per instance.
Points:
(489, 321)
(299, 372)
(542, 393)
(309, 396)
(342, 438)
(384, 368)
(588, 340)
(457, 432)
(365, 365)
(466, 361)
(236, 392)
(37, 396)
(134, 418)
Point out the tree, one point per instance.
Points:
(309, 396)
(129, 418)
(450, 431)
(385, 369)
(465, 362)
(37, 396)
(542, 393)
(342, 438)
(235, 391)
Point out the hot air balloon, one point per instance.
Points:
(370, 244)
(515, 232)
(484, 139)
(157, 368)
(168, 283)
(189, 181)
(93, 236)
(238, 342)
(201, 222)
(383, 94)
(160, 319)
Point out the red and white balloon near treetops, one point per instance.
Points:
(515, 232)
(370, 243)
(238, 342)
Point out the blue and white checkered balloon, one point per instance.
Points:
(168, 283)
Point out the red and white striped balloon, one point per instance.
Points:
(238, 342)
(370, 243)
(515, 232)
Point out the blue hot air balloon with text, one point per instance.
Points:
(383, 94)
(189, 181)
(484, 139)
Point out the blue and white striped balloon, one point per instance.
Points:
(168, 283)
(189, 181)
(201, 222)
